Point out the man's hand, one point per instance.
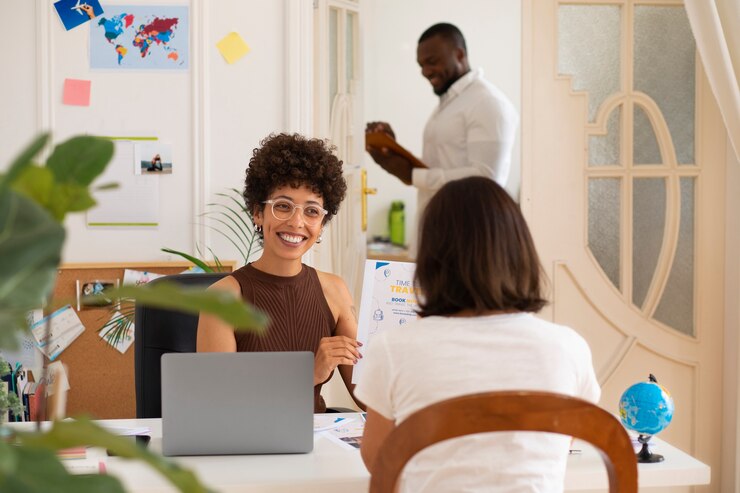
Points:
(332, 352)
(380, 127)
(394, 164)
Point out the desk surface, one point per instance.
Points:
(331, 468)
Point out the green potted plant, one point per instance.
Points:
(34, 199)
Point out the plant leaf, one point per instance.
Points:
(82, 432)
(196, 261)
(80, 159)
(23, 160)
(228, 307)
(36, 183)
(30, 248)
(39, 470)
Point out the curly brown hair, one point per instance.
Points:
(294, 160)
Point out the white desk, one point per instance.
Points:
(331, 468)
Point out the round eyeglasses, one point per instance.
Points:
(283, 209)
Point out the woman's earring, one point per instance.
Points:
(258, 230)
(320, 238)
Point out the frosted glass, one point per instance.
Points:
(350, 51)
(648, 223)
(604, 149)
(333, 56)
(665, 70)
(646, 150)
(604, 205)
(588, 49)
(676, 307)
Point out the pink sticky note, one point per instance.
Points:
(76, 92)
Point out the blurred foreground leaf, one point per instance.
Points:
(228, 307)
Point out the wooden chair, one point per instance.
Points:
(508, 411)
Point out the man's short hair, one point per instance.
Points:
(448, 32)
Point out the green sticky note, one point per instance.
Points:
(232, 47)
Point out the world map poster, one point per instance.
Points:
(140, 37)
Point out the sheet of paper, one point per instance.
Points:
(232, 47)
(76, 92)
(122, 431)
(388, 300)
(323, 422)
(57, 377)
(135, 203)
(136, 277)
(124, 341)
(347, 435)
(65, 328)
(27, 355)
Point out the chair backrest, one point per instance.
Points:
(158, 331)
(508, 411)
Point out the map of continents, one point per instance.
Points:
(140, 38)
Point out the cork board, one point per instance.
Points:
(100, 377)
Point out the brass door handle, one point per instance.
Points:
(365, 192)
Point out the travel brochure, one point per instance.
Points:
(388, 300)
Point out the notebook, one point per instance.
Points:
(237, 403)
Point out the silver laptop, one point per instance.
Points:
(237, 403)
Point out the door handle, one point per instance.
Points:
(365, 192)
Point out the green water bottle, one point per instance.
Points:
(397, 223)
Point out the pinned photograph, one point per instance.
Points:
(153, 158)
(92, 294)
(74, 13)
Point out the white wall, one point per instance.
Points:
(396, 92)
(213, 114)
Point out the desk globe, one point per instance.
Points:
(647, 408)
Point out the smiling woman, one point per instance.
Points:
(294, 186)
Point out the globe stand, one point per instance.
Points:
(645, 456)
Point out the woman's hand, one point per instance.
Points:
(332, 352)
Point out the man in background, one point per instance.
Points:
(472, 130)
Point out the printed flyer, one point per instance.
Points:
(388, 300)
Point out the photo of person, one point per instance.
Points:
(153, 158)
(88, 293)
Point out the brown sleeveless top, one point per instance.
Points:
(298, 311)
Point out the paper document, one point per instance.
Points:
(136, 200)
(323, 422)
(388, 300)
(348, 434)
(65, 328)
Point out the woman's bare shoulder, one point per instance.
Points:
(333, 285)
(228, 283)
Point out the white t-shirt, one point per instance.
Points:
(436, 358)
(471, 132)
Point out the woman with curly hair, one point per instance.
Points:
(294, 186)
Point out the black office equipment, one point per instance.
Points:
(159, 331)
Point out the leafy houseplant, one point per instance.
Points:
(8, 400)
(34, 200)
(232, 222)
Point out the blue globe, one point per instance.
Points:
(646, 408)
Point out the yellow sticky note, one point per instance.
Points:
(232, 47)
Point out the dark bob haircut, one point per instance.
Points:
(476, 252)
(294, 160)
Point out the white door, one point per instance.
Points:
(338, 117)
(623, 159)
